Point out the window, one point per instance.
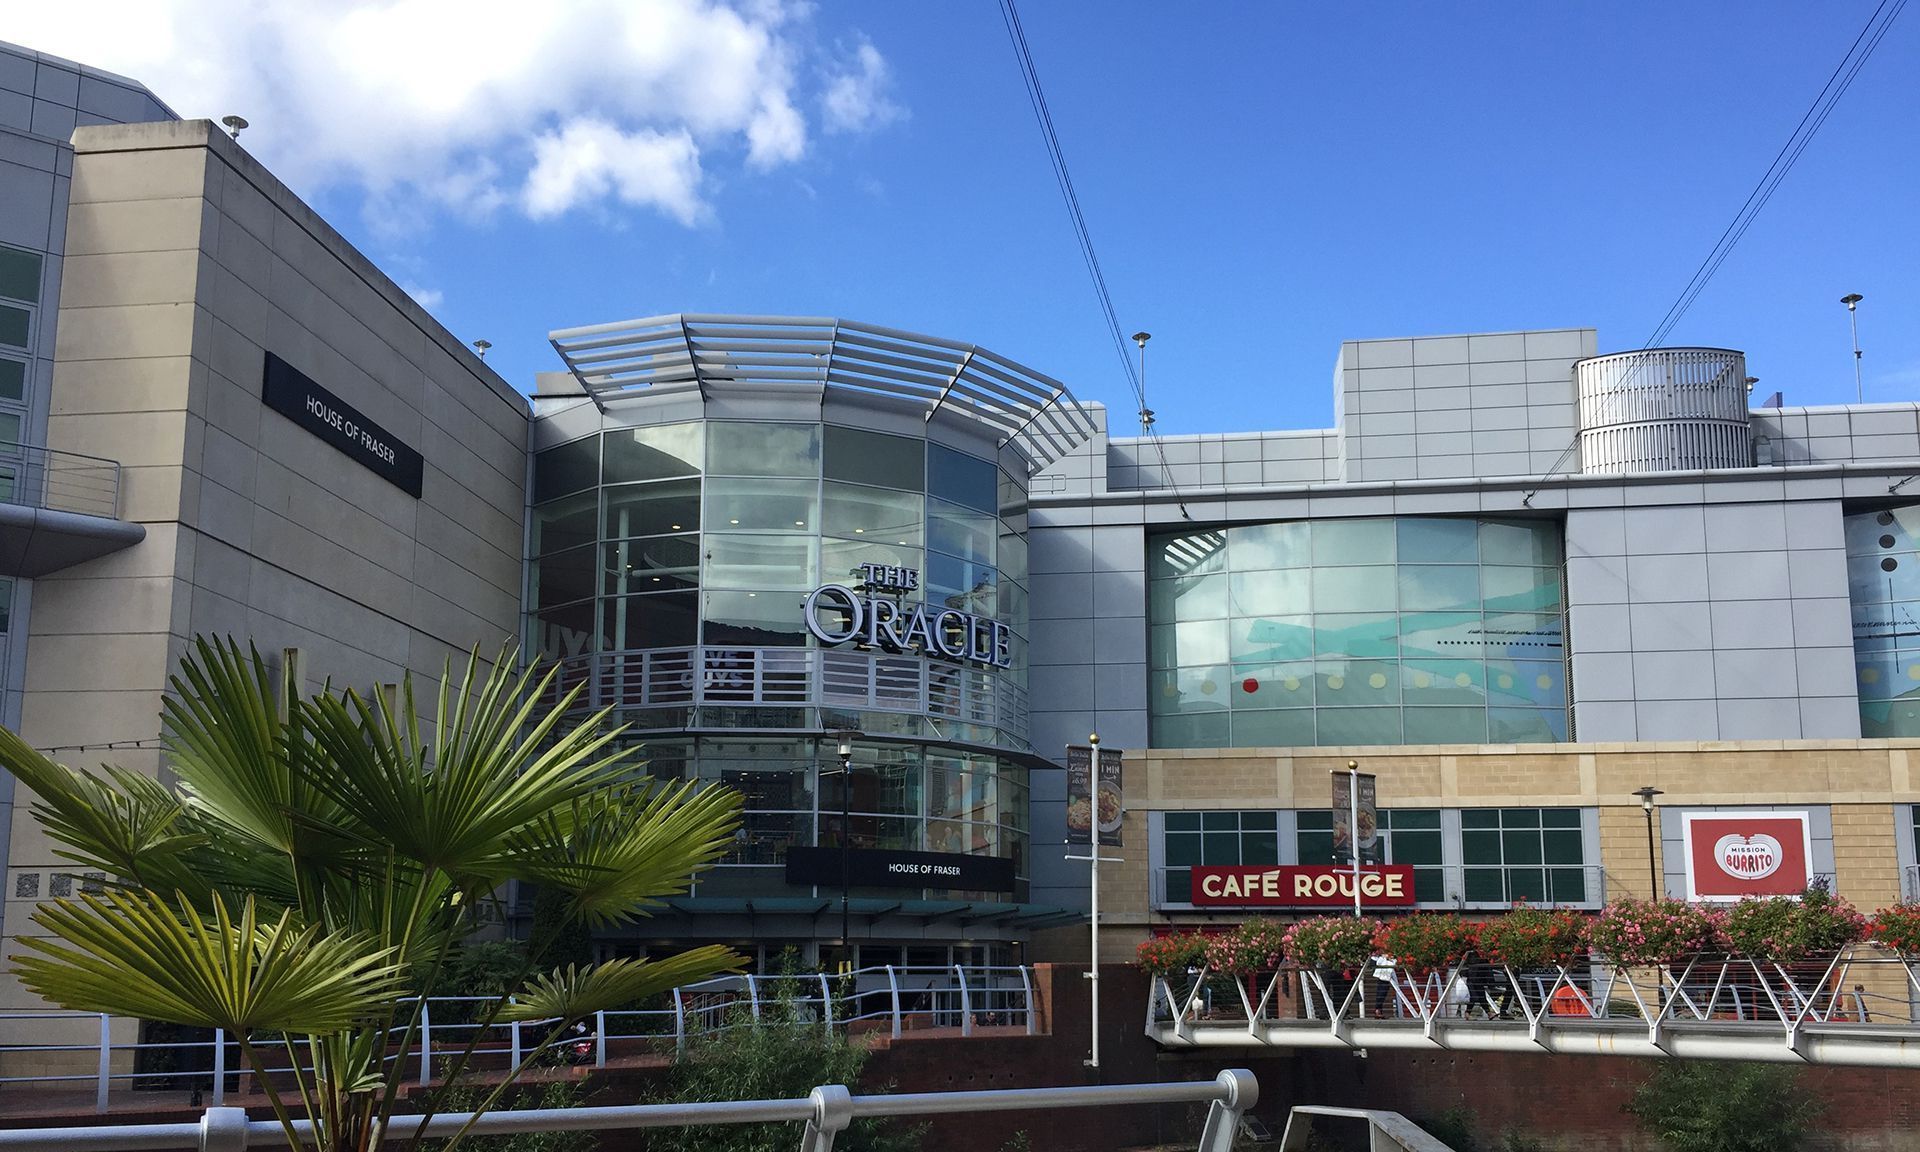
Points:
(962, 479)
(1532, 854)
(1409, 836)
(743, 449)
(1216, 838)
(1380, 631)
(858, 512)
(13, 380)
(875, 458)
(20, 275)
(656, 564)
(14, 325)
(566, 469)
(565, 523)
(761, 505)
(1883, 578)
(660, 453)
(652, 509)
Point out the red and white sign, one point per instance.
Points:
(1735, 854)
(1301, 886)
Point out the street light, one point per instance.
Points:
(844, 740)
(1852, 301)
(1646, 795)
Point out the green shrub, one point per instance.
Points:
(1700, 1106)
(1454, 1128)
(553, 1094)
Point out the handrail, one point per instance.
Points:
(52, 478)
(826, 1112)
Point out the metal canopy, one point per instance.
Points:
(1033, 412)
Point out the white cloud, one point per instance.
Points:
(856, 97)
(428, 298)
(475, 105)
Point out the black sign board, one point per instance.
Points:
(1094, 799)
(886, 868)
(290, 392)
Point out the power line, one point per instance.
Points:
(1037, 97)
(1802, 135)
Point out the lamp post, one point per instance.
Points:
(844, 739)
(1852, 301)
(1646, 795)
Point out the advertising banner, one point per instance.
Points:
(887, 868)
(1301, 886)
(1343, 813)
(1730, 855)
(1094, 796)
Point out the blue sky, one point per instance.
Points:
(1262, 181)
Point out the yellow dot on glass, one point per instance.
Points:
(1377, 680)
(1543, 680)
(1421, 680)
(1506, 681)
(1336, 682)
(1170, 689)
(1463, 679)
(1913, 671)
(1208, 687)
(1869, 675)
(1292, 684)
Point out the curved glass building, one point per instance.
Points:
(750, 534)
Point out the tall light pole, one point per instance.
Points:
(1646, 795)
(1852, 301)
(1353, 827)
(844, 740)
(1146, 413)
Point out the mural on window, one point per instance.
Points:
(1381, 631)
(1883, 583)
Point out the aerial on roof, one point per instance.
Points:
(1035, 413)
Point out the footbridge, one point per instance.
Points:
(1854, 1008)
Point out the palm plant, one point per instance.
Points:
(319, 861)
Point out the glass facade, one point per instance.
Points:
(669, 565)
(1380, 631)
(1883, 583)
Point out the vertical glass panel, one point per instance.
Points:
(1192, 554)
(1264, 546)
(656, 453)
(1187, 598)
(1520, 542)
(761, 619)
(656, 564)
(855, 511)
(566, 468)
(558, 633)
(14, 325)
(760, 505)
(1206, 730)
(862, 457)
(1279, 728)
(1439, 587)
(1446, 726)
(13, 379)
(1442, 634)
(9, 428)
(1358, 726)
(653, 509)
(1013, 555)
(20, 275)
(561, 577)
(1507, 589)
(1437, 540)
(840, 560)
(1201, 642)
(1356, 634)
(1356, 683)
(1276, 592)
(1338, 542)
(963, 479)
(564, 523)
(742, 448)
(955, 583)
(1353, 589)
(1273, 685)
(667, 620)
(6, 606)
(1525, 636)
(1188, 690)
(1526, 725)
(1526, 682)
(1275, 638)
(760, 561)
(962, 532)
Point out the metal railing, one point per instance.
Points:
(826, 1112)
(898, 999)
(62, 481)
(1468, 887)
(974, 698)
(1855, 1007)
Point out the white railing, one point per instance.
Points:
(1856, 1007)
(800, 677)
(825, 1113)
(963, 998)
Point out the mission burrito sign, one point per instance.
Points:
(1730, 855)
(1301, 886)
(873, 615)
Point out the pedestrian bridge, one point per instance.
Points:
(1856, 1008)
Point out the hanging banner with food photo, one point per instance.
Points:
(1079, 794)
(1095, 802)
(1345, 811)
(1109, 802)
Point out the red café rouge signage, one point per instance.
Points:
(1301, 886)
(1736, 854)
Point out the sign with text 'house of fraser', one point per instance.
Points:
(889, 868)
(1301, 886)
(295, 395)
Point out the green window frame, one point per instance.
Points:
(1191, 838)
(1532, 854)
(1409, 836)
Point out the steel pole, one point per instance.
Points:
(1653, 870)
(1853, 323)
(846, 874)
(1353, 828)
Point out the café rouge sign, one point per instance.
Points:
(1301, 886)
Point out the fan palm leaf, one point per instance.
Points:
(125, 824)
(132, 954)
(572, 993)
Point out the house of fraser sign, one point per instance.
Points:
(873, 615)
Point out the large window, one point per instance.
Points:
(1408, 836)
(1532, 854)
(1883, 579)
(1409, 631)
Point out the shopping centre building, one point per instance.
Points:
(1519, 580)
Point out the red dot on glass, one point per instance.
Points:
(1250, 685)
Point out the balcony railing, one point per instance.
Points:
(61, 481)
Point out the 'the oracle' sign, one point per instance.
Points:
(1730, 855)
(873, 615)
(1301, 886)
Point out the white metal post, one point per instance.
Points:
(219, 1067)
(1353, 826)
(1093, 919)
(514, 1028)
(1026, 985)
(966, 1003)
(426, 1045)
(826, 1003)
(106, 1063)
(893, 990)
(600, 1038)
(679, 1023)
